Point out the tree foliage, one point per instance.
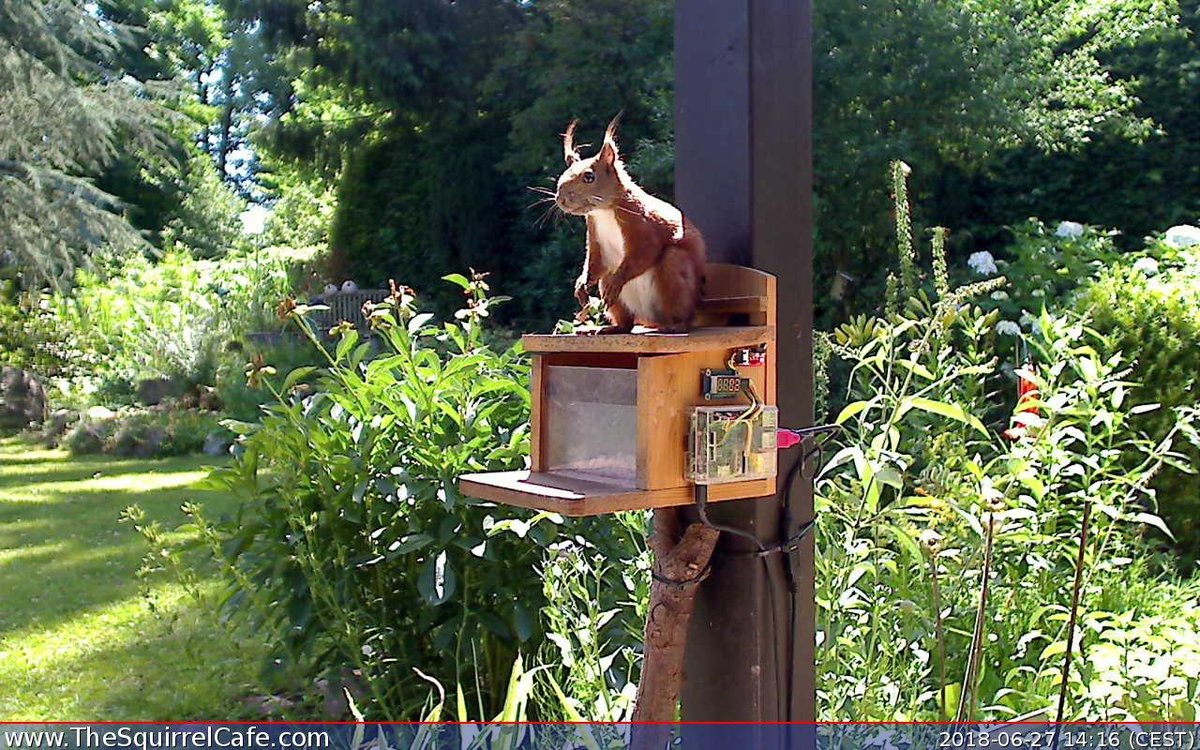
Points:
(1138, 185)
(433, 118)
(67, 109)
(429, 120)
(954, 88)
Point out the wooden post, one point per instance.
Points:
(743, 173)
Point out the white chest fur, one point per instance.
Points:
(639, 294)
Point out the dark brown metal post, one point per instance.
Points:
(743, 173)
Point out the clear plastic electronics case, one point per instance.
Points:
(728, 447)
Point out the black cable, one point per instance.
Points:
(702, 512)
(684, 582)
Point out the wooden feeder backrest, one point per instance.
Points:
(736, 296)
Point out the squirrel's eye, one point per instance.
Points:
(589, 176)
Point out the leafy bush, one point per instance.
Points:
(354, 547)
(33, 338)
(917, 483)
(954, 88)
(1155, 319)
(208, 219)
(597, 589)
(170, 318)
(1137, 185)
(1044, 266)
(301, 216)
(238, 399)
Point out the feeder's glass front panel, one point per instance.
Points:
(591, 421)
(730, 444)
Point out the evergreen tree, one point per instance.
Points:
(68, 108)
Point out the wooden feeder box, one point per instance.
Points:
(612, 414)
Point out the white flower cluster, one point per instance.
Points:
(982, 263)
(1146, 266)
(1069, 229)
(1008, 328)
(1183, 235)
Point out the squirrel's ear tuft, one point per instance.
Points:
(569, 152)
(608, 153)
(610, 133)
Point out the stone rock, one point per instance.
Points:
(217, 443)
(57, 424)
(150, 445)
(22, 399)
(85, 438)
(154, 391)
(99, 413)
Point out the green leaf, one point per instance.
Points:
(950, 411)
(461, 705)
(1053, 649)
(950, 697)
(890, 476)
(853, 409)
(512, 698)
(1155, 521)
(915, 367)
(409, 543)
(418, 322)
(347, 342)
(296, 375)
(906, 542)
(457, 278)
(570, 713)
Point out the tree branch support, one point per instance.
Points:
(681, 562)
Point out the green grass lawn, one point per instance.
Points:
(78, 639)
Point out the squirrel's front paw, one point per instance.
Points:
(581, 292)
(609, 294)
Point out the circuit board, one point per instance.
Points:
(732, 444)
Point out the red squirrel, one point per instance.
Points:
(642, 252)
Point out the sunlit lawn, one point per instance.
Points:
(78, 639)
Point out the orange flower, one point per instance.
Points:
(1027, 404)
(1027, 391)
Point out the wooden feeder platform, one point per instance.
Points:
(649, 341)
(611, 413)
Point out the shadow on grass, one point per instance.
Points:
(84, 469)
(174, 665)
(38, 457)
(63, 551)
